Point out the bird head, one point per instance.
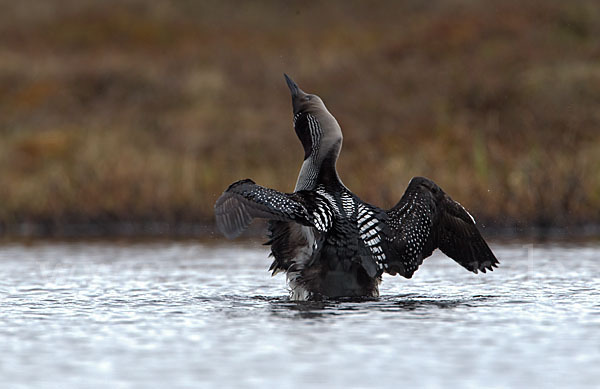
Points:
(315, 126)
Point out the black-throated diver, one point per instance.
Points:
(331, 243)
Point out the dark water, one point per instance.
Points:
(176, 315)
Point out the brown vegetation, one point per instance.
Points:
(146, 111)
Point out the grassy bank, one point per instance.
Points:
(117, 112)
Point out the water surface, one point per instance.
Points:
(187, 314)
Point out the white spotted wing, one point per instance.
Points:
(425, 219)
(245, 200)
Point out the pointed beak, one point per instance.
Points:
(294, 89)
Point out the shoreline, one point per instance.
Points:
(206, 231)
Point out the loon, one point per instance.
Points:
(332, 244)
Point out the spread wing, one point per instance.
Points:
(245, 200)
(426, 218)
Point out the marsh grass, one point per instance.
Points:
(136, 111)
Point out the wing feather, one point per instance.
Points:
(425, 219)
(244, 201)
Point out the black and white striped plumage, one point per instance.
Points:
(332, 244)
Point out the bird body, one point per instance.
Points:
(329, 242)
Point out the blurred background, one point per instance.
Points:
(127, 118)
(133, 116)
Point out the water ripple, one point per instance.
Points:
(190, 315)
